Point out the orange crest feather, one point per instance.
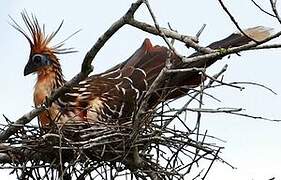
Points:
(38, 40)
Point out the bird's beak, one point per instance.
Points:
(35, 63)
(28, 69)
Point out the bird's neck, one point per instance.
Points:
(48, 79)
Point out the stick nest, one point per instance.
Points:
(162, 148)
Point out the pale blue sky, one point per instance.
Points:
(253, 146)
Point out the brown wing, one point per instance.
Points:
(119, 89)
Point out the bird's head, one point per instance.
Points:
(42, 56)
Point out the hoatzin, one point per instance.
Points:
(113, 95)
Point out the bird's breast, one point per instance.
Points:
(95, 109)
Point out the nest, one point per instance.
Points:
(155, 150)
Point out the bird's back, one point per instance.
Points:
(113, 95)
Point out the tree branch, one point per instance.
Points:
(234, 21)
(218, 54)
(260, 8)
(188, 40)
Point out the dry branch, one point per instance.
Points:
(234, 21)
(262, 9)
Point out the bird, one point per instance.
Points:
(112, 96)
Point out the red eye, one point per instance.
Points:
(37, 58)
(40, 59)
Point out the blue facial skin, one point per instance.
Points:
(36, 61)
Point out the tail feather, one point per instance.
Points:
(258, 33)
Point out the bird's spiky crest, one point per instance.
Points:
(38, 39)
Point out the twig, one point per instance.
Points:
(260, 8)
(157, 25)
(105, 37)
(255, 84)
(218, 110)
(185, 70)
(194, 97)
(21, 121)
(200, 59)
(223, 83)
(234, 21)
(273, 6)
(188, 40)
(200, 31)
(211, 163)
(266, 46)
(234, 111)
(256, 117)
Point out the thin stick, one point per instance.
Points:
(234, 21)
(260, 8)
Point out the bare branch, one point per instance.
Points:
(256, 117)
(260, 8)
(234, 21)
(234, 111)
(200, 31)
(104, 38)
(188, 40)
(215, 158)
(266, 46)
(273, 6)
(194, 97)
(256, 84)
(19, 123)
(220, 54)
(218, 110)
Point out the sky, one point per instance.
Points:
(253, 146)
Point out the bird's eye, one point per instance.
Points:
(37, 58)
(40, 59)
